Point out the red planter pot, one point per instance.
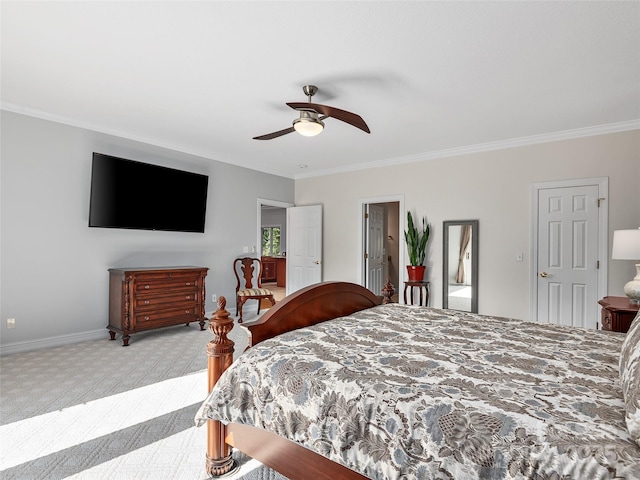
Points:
(416, 274)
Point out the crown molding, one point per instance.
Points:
(416, 157)
(31, 112)
(485, 147)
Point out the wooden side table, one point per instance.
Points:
(420, 286)
(617, 313)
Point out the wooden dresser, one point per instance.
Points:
(268, 269)
(274, 269)
(281, 271)
(147, 298)
(617, 313)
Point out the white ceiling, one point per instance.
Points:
(430, 78)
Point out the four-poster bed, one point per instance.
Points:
(394, 391)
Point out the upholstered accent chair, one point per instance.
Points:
(249, 270)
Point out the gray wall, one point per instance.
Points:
(54, 279)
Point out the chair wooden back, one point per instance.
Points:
(245, 268)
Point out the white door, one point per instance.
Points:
(304, 247)
(376, 255)
(567, 276)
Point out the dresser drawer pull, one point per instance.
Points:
(146, 302)
(187, 311)
(146, 287)
(188, 297)
(187, 284)
(146, 318)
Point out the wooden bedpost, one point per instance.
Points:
(387, 292)
(220, 357)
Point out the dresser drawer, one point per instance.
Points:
(607, 323)
(182, 299)
(159, 317)
(147, 284)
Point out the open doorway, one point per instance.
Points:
(272, 245)
(382, 244)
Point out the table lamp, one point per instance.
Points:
(626, 246)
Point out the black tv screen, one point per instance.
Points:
(130, 194)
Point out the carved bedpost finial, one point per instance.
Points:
(387, 292)
(220, 325)
(220, 356)
(222, 303)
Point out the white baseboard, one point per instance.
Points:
(17, 347)
(49, 342)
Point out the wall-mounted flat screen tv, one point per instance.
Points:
(130, 194)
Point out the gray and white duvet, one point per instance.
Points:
(420, 393)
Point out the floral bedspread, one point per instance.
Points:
(420, 393)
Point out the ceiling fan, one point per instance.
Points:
(310, 122)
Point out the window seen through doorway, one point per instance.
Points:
(270, 241)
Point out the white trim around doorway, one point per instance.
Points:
(603, 235)
(361, 226)
(271, 203)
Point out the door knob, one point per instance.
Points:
(544, 274)
(317, 262)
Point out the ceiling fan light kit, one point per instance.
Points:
(310, 123)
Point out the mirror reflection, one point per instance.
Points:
(460, 265)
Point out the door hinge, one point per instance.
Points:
(599, 200)
(366, 215)
(597, 264)
(366, 255)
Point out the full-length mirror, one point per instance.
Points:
(460, 265)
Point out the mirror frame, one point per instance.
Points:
(474, 261)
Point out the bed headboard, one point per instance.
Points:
(310, 305)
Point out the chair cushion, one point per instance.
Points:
(254, 292)
(630, 378)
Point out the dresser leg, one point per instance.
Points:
(125, 340)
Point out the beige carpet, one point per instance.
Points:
(97, 410)
(278, 294)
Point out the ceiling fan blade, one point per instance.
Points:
(343, 115)
(277, 134)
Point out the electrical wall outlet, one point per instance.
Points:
(11, 323)
(214, 298)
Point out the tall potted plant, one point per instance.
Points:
(417, 248)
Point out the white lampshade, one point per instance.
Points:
(308, 124)
(308, 127)
(626, 246)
